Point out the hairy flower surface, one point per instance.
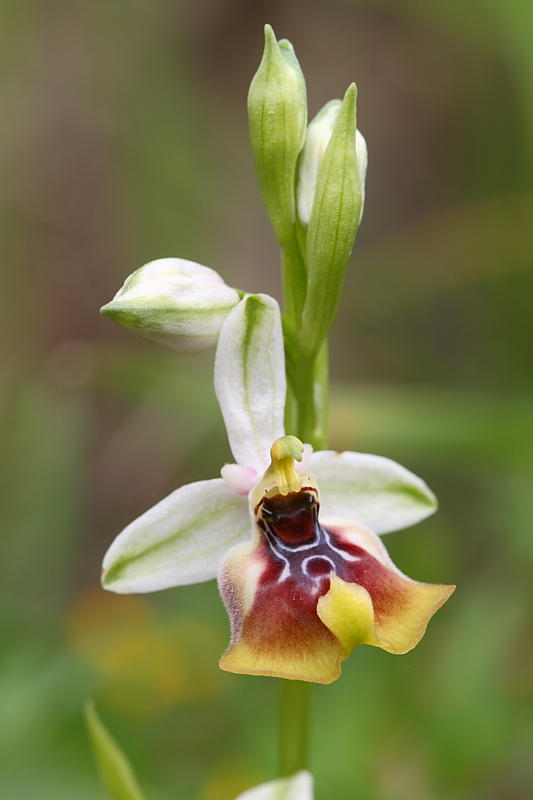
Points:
(301, 568)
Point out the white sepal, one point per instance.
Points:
(181, 540)
(174, 302)
(371, 490)
(297, 787)
(250, 379)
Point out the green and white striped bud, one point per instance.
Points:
(319, 133)
(335, 213)
(277, 112)
(175, 303)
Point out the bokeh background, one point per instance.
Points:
(124, 139)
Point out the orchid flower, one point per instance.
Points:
(296, 546)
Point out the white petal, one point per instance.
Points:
(250, 379)
(297, 787)
(181, 540)
(372, 490)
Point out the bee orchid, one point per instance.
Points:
(293, 535)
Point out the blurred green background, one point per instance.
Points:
(124, 139)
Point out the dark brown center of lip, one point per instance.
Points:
(292, 518)
(302, 549)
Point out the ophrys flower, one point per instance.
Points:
(301, 568)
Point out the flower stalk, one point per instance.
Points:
(294, 727)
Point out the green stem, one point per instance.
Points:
(304, 392)
(291, 411)
(309, 387)
(308, 374)
(294, 726)
(294, 274)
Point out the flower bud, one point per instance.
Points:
(277, 111)
(317, 139)
(173, 302)
(333, 223)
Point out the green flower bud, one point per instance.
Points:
(173, 302)
(319, 133)
(333, 223)
(277, 111)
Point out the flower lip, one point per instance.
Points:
(298, 609)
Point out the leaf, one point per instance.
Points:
(114, 767)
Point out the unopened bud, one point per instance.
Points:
(317, 139)
(333, 223)
(173, 302)
(277, 111)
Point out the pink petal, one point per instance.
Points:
(238, 478)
